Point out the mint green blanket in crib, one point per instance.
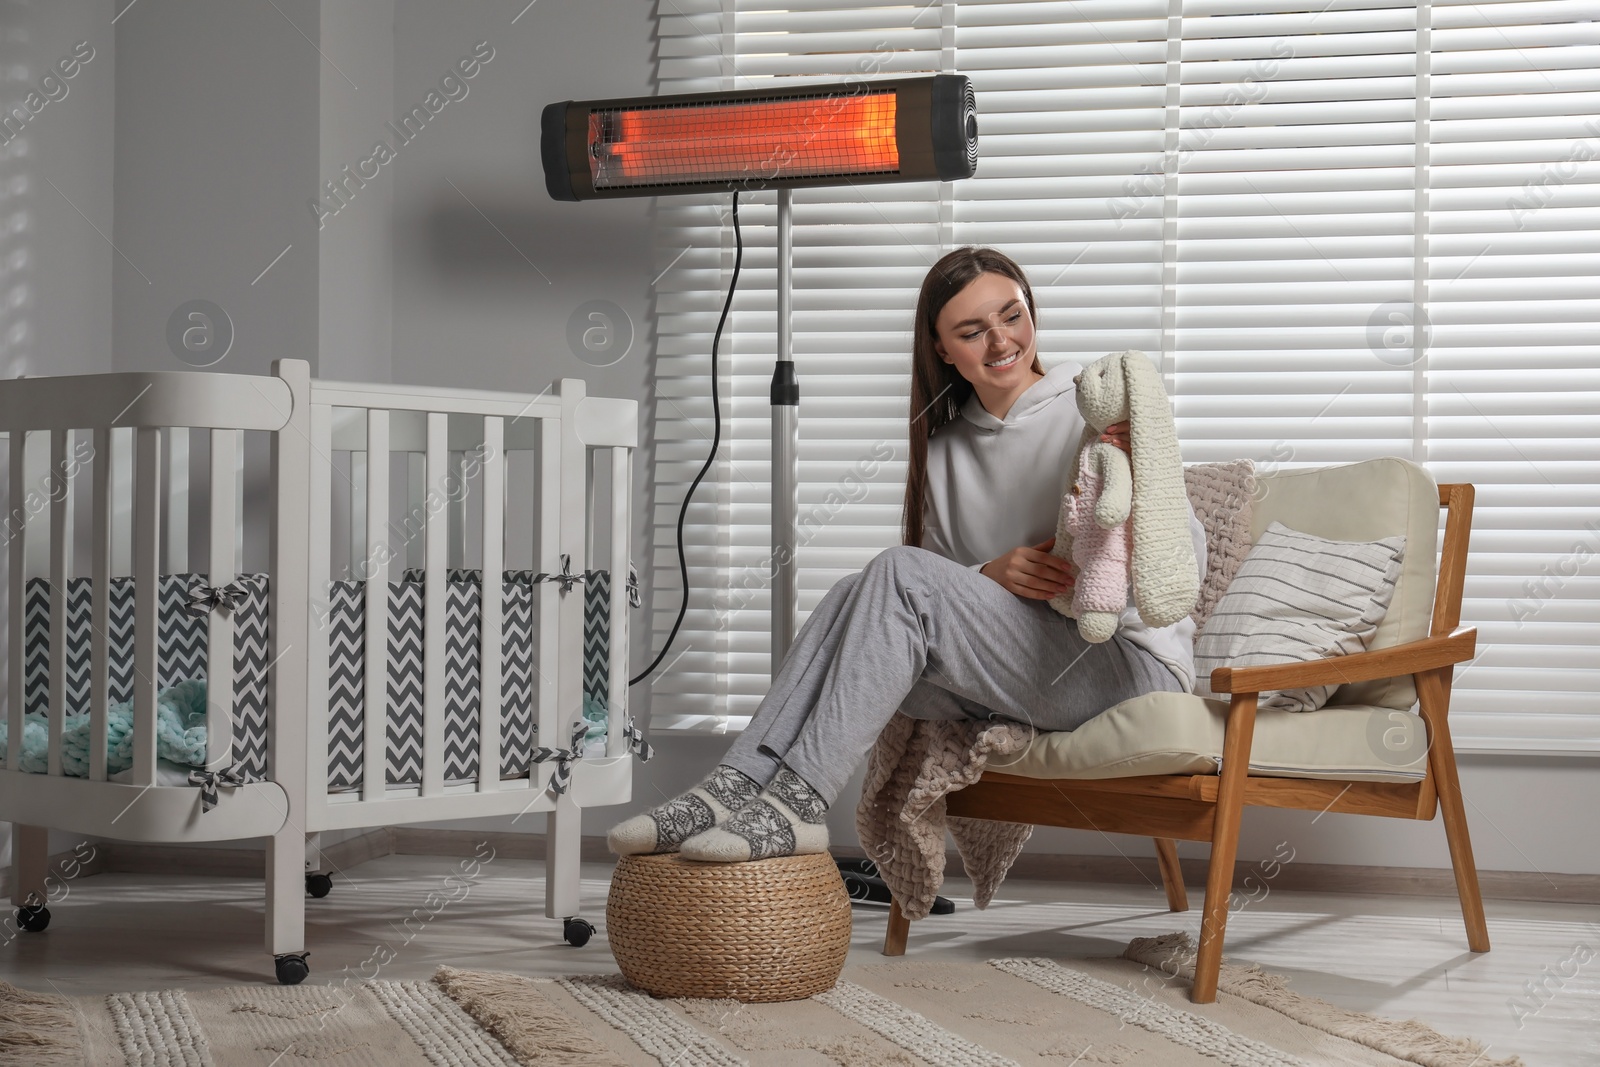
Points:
(180, 734)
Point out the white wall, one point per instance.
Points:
(216, 151)
(355, 275)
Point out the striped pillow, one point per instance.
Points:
(1299, 597)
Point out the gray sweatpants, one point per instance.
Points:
(919, 633)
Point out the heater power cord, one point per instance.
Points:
(716, 439)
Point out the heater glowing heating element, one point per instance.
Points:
(799, 138)
(911, 129)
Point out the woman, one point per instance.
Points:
(952, 624)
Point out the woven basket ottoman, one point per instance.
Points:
(766, 930)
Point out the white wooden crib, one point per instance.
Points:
(118, 447)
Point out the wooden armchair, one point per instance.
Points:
(1209, 806)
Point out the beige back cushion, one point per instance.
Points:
(1363, 502)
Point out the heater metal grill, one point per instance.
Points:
(904, 129)
(811, 137)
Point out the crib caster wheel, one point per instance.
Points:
(34, 919)
(577, 931)
(319, 885)
(292, 968)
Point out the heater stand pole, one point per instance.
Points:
(785, 447)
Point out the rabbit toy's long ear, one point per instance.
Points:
(1165, 580)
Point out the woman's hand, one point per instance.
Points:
(1117, 434)
(1032, 572)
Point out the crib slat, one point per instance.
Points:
(621, 524)
(457, 501)
(416, 520)
(358, 512)
(177, 524)
(320, 565)
(490, 645)
(100, 607)
(549, 561)
(122, 440)
(436, 593)
(61, 473)
(238, 497)
(17, 527)
(146, 600)
(591, 479)
(224, 568)
(373, 566)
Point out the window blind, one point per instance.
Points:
(1511, 274)
(1347, 230)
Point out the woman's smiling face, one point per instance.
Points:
(986, 333)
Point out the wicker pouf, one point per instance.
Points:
(767, 930)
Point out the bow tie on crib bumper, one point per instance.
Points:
(208, 781)
(204, 599)
(637, 744)
(634, 600)
(567, 578)
(563, 757)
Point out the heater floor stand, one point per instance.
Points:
(785, 399)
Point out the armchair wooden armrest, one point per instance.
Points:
(1414, 656)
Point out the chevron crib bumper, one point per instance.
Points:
(180, 654)
(182, 646)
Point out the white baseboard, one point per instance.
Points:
(121, 857)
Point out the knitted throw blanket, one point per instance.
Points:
(901, 818)
(180, 734)
(1222, 495)
(916, 762)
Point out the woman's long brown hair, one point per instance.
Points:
(937, 389)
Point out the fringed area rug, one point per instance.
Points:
(905, 1013)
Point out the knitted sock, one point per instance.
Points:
(662, 829)
(785, 820)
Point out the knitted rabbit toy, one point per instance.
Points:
(1125, 522)
(1093, 522)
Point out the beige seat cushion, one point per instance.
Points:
(1177, 733)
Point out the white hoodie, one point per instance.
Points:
(995, 485)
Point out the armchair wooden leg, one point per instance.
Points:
(1434, 695)
(1224, 845)
(894, 938)
(1171, 874)
(1219, 892)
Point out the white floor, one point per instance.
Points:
(1394, 956)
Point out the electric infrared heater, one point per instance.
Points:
(899, 130)
(845, 133)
